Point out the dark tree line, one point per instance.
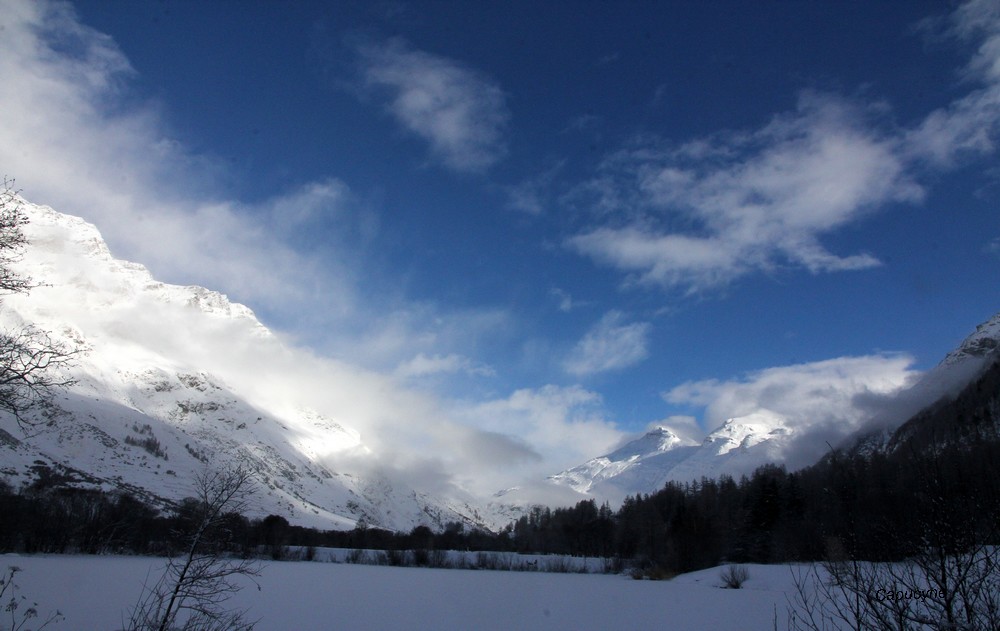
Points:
(935, 484)
(47, 516)
(877, 507)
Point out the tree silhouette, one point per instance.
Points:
(31, 362)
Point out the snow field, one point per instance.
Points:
(95, 593)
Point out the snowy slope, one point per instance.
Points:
(961, 365)
(644, 465)
(155, 403)
(958, 369)
(742, 444)
(641, 463)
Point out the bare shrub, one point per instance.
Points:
(358, 556)
(660, 573)
(439, 558)
(931, 591)
(494, 561)
(396, 558)
(733, 576)
(21, 611)
(149, 443)
(653, 573)
(421, 557)
(613, 565)
(558, 565)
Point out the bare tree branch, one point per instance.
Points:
(193, 589)
(950, 581)
(31, 363)
(12, 240)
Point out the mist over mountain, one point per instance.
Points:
(171, 380)
(867, 420)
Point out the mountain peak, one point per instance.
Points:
(637, 459)
(174, 379)
(981, 343)
(746, 431)
(74, 261)
(656, 440)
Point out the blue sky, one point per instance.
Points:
(603, 205)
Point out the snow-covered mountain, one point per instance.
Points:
(156, 400)
(965, 362)
(641, 463)
(744, 443)
(976, 354)
(645, 464)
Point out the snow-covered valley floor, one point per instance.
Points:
(94, 593)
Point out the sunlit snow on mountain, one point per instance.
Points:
(172, 379)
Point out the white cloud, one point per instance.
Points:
(980, 20)
(970, 125)
(565, 425)
(807, 392)
(71, 137)
(823, 401)
(531, 195)
(423, 365)
(663, 259)
(715, 209)
(409, 329)
(609, 345)
(686, 427)
(526, 197)
(460, 112)
(565, 299)
(705, 213)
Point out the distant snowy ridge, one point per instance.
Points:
(156, 402)
(645, 464)
(741, 444)
(641, 461)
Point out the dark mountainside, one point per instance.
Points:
(970, 418)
